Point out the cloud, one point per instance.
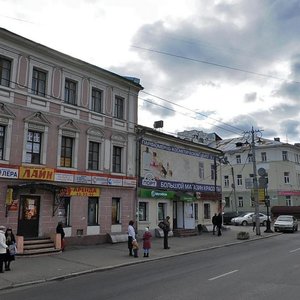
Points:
(159, 110)
(250, 97)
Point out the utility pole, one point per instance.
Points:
(255, 184)
(234, 192)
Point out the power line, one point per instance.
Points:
(213, 64)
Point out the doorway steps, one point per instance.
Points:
(38, 246)
(180, 232)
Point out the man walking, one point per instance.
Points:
(214, 222)
(219, 223)
(166, 230)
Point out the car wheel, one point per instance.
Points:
(244, 223)
(264, 223)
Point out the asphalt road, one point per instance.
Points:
(264, 269)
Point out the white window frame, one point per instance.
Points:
(226, 181)
(239, 180)
(286, 177)
(238, 159)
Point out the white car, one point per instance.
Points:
(286, 223)
(246, 219)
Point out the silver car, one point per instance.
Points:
(246, 219)
(286, 223)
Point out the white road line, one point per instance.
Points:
(298, 249)
(214, 278)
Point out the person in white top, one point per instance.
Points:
(131, 236)
(3, 247)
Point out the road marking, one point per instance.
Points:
(228, 273)
(294, 250)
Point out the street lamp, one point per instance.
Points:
(251, 135)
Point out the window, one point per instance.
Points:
(263, 156)
(201, 170)
(5, 68)
(206, 211)
(93, 156)
(284, 155)
(161, 211)
(33, 147)
(117, 159)
(238, 159)
(296, 158)
(143, 211)
(227, 201)
(2, 141)
(241, 202)
(64, 211)
(239, 180)
(286, 177)
(288, 201)
(213, 172)
(119, 108)
(39, 82)
(93, 206)
(115, 211)
(96, 100)
(196, 208)
(226, 181)
(70, 91)
(250, 157)
(66, 152)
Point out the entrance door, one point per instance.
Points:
(28, 225)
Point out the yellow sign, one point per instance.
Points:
(36, 173)
(9, 196)
(261, 196)
(83, 191)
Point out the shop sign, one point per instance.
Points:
(288, 193)
(99, 180)
(9, 173)
(82, 191)
(129, 182)
(64, 177)
(145, 193)
(36, 173)
(115, 181)
(82, 179)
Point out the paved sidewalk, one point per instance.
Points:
(85, 259)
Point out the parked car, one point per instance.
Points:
(227, 216)
(246, 219)
(286, 223)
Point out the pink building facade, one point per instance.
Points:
(67, 144)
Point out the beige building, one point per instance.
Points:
(281, 181)
(177, 178)
(67, 143)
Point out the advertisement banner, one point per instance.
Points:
(35, 173)
(82, 191)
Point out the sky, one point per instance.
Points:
(223, 66)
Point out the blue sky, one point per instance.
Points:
(218, 66)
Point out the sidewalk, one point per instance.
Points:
(85, 259)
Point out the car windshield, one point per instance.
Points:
(243, 215)
(284, 218)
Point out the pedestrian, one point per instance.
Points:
(147, 241)
(166, 230)
(214, 222)
(3, 247)
(11, 249)
(219, 223)
(253, 221)
(131, 236)
(60, 229)
(135, 248)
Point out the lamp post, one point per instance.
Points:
(252, 134)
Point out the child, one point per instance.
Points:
(135, 248)
(147, 242)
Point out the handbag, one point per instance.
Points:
(12, 249)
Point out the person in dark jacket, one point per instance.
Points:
(11, 250)
(60, 229)
(166, 230)
(214, 222)
(219, 223)
(147, 242)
